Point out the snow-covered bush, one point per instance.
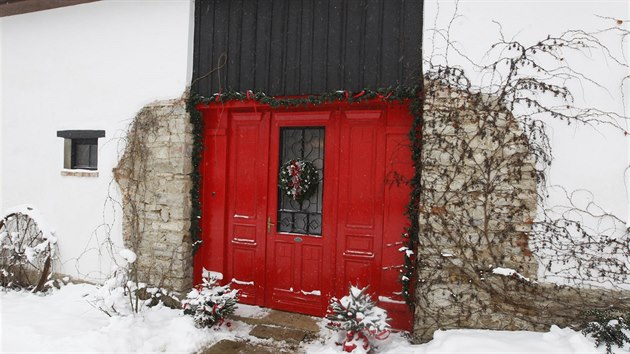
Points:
(122, 294)
(359, 322)
(210, 303)
(27, 248)
(117, 295)
(609, 327)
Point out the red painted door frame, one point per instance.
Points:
(367, 163)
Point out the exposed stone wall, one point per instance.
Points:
(154, 178)
(477, 205)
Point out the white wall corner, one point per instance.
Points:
(2, 206)
(626, 107)
(191, 42)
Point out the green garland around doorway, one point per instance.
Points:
(398, 93)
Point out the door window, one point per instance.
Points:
(304, 216)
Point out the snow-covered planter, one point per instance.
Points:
(27, 248)
(210, 303)
(357, 319)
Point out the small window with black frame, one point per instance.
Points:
(81, 148)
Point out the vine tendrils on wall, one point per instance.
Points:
(485, 160)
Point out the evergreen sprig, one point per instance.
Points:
(607, 327)
(211, 303)
(358, 318)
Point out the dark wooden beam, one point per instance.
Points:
(18, 7)
(291, 47)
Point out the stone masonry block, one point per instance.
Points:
(164, 251)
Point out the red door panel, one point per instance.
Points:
(210, 254)
(246, 209)
(283, 270)
(312, 257)
(360, 198)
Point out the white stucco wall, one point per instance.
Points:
(90, 66)
(93, 66)
(1, 119)
(592, 159)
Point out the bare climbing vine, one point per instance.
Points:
(484, 165)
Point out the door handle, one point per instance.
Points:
(269, 224)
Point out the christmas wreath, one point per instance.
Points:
(298, 179)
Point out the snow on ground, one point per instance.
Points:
(65, 322)
(251, 311)
(555, 341)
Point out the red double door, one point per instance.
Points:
(292, 255)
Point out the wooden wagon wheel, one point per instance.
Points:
(25, 252)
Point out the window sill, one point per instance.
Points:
(79, 173)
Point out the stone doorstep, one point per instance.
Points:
(249, 320)
(292, 320)
(279, 334)
(227, 346)
(284, 319)
(285, 330)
